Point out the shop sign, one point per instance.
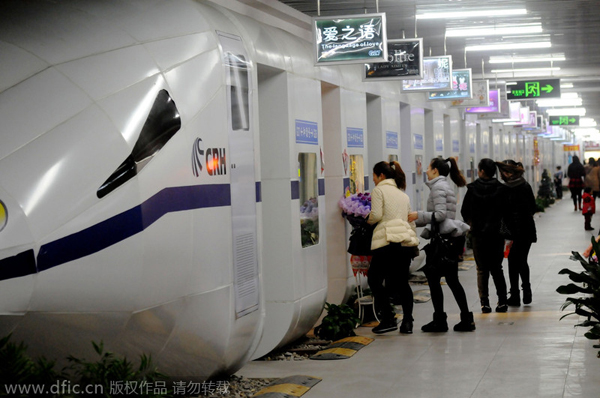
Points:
(405, 61)
(493, 107)
(418, 141)
(391, 140)
(571, 148)
(350, 39)
(437, 75)
(462, 87)
(307, 132)
(356, 138)
(481, 95)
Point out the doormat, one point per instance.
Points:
(343, 349)
(466, 265)
(291, 386)
(421, 296)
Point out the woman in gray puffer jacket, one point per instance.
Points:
(442, 203)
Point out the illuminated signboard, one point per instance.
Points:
(563, 120)
(481, 95)
(437, 75)
(405, 61)
(350, 39)
(493, 107)
(462, 87)
(533, 89)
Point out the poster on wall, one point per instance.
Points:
(419, 164)
(462, 87)
(437, 75)
(481, 96)
(350, 39)
(405, 61)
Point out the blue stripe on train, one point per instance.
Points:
(116, 229)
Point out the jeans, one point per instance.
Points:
(388, 278)
(489, 254)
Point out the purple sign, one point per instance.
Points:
(493, 108)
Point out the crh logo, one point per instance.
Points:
(214, 159)
(374, 53)
(197, 155)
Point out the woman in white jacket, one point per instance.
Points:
(393, 244)
(442, 203)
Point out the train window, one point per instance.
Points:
(238, 91)
(162, 123)
(357, 174)
(3, 215)
(309, 198)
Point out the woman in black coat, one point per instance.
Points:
(576, 174)
(481, 209)
(518, 225)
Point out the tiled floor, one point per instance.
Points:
(526, 352)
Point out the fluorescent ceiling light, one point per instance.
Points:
(566, 85)
(494, 30)
(547, 103)
(515, 60)
(468, 14)
(566, 111)
(587, 122)
(509, 46)
(586, 131)
(524, 70)
(569, 95)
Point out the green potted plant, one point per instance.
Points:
(587, 282)
(339, 322)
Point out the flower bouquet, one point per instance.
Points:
(356, 209)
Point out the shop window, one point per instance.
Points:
(357, 174)
(309, 198)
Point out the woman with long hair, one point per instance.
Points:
(393, 243)
(576, 174)
(442, 203)
(519, 227)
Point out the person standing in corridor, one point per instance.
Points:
(518, 226)
(576, 174)
(481, 209)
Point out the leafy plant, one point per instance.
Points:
(339, 322)
(117, 376)
(587, 283)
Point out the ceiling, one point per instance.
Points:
(572, 27)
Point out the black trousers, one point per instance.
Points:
(576, 196)
(489, 254)
(450, 271)
(388, 279)
(518, 266)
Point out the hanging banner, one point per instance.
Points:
(437, 75)
(492, 107)
(350, 39)
(481, 96)
(462, 87)
(405, 61)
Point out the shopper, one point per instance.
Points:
(519, 227)
(576, 173)
(442, 203)
(482, 210)
(592, 178)
(558, 177)
(589, 208)
(393, 244)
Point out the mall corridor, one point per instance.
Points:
(526, 352)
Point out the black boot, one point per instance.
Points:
(466, 324)
(406, 327)
(438, 325)
(515, 299)
(527, 294)
(485, 306)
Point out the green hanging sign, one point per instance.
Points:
(533, 89)
(563, 120)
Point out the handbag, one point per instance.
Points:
(439, 250)
(360, 240)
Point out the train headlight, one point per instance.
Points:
(3, 215)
